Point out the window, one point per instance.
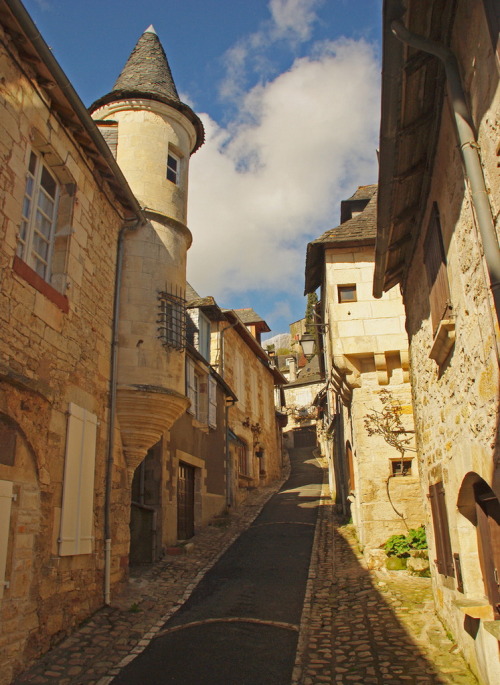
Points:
(401, 467)
(243, 461)
(347, 293)
(39, 214)
(437, 277)
(77, 515)
(173, 168)
(442, 542)
(204, 336)
(197, 391)
(172, 320)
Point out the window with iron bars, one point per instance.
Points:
(172, 320)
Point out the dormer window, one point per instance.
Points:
(173, 167)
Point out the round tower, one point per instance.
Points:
(152, 134)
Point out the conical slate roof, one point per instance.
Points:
(147, 75)
(147, 69)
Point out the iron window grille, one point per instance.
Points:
(172, 320)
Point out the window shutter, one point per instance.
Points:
(444, 553)
(437, 277)
(212, 402)
(78, 487)
(5, 506)
(190, 386)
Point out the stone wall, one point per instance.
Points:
(54, 349)
(253, 384)
(456, 403)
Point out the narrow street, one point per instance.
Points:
(288, 602)
(241, 624)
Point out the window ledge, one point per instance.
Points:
(443, 341)
(30, 276)
(475, 608)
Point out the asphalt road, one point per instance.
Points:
(240, 625)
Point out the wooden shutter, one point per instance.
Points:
(444, 553)
(212, 402)
(76, 536)
(5, 507)
(437, 277)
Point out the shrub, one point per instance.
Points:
(397, 546)
(416, 538)
(400, 545)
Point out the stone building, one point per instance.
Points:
(254, 434)
(92, 341)
(438, 209)
(365, 349)
(65, 206)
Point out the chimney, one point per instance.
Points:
(292, 367)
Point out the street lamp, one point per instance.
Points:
(308, 342)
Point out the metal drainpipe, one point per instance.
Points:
(470, 151)
(112, 410)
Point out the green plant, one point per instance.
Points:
(397, 546)
(416, 538)
(401, 545)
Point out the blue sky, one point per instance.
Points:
(288, 91)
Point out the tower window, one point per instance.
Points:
(173, 168)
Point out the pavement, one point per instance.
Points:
(357, 626)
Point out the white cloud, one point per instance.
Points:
(271, 180)
(290, 21)
(294, 18)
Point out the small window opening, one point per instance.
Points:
(401, 467)
(173, 167)
(347, 293)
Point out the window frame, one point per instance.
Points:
(343, 289)
(173, 171)
(32, 206)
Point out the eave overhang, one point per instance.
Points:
(65, 102)
(412, 101)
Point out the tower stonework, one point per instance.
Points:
(152, 135)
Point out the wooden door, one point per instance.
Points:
(488, 529)
(185, 502)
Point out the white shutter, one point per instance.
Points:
(78, 488)
(212, 402)
(190, 385)
(5, 506)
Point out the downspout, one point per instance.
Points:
(470, 152)
(112, 408)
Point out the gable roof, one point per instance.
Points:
(249, 317)
(358, 231)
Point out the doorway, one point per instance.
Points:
(185, 501)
